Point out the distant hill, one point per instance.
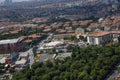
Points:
(54, 8)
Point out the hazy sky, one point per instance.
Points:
(15, 0)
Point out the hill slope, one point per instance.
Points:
(53, 8)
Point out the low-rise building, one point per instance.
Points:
(51, 45)
(61, 36)
(24, 55)
(98, 38)
(21, 63)
(63, 55)
(39, 20)
(115, 34)
(2, 60)
(47, 30)
(68, 28)
(11, 45)
(79, 31)
(34, 36)
(46, 57)
(14, 32)
(2, 29)
(54, 43)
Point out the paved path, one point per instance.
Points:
(114, 74)
(30, 51)
(31, 56)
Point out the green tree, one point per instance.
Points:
(39, 71)
(34, 78)
(49, 64)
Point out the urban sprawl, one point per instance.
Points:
(41, 39)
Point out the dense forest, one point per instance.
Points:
(90, 63)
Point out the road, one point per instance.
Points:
(46, 39)
(114, 73)
(31, 56)
(30, 51)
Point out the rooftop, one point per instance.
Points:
(85, 23)
(45, 57)
(65, 34)
(28, 41)
(21, 62)
(47, 30)
(2, 60)
(98, 34)
(22, 37)
(61, 31)
(54, 43)
(115, 32)
(70, 31)
(34, 36)
(23, 54)
(10, 41)
(45, 48)
(63, 55)
(94, 25)
(14, 32)
(1, 28)
(79, 29)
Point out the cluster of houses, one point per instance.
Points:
(87, 29)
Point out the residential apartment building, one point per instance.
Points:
(102, 37)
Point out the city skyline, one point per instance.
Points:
(14, 0)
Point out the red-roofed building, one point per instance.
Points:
(34, 36)
(40, 20)
(47, 30)
(61, 31)
(14, 32)
(102, 37)
(115, 34)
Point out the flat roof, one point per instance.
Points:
(45, 57)
(45, 48)
(54, 43)
(9, 41)
(2, 60)
(63, 55)
(24, 54)
(21, 62)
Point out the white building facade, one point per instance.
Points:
(99, 38)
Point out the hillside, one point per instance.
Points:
(54, 8)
